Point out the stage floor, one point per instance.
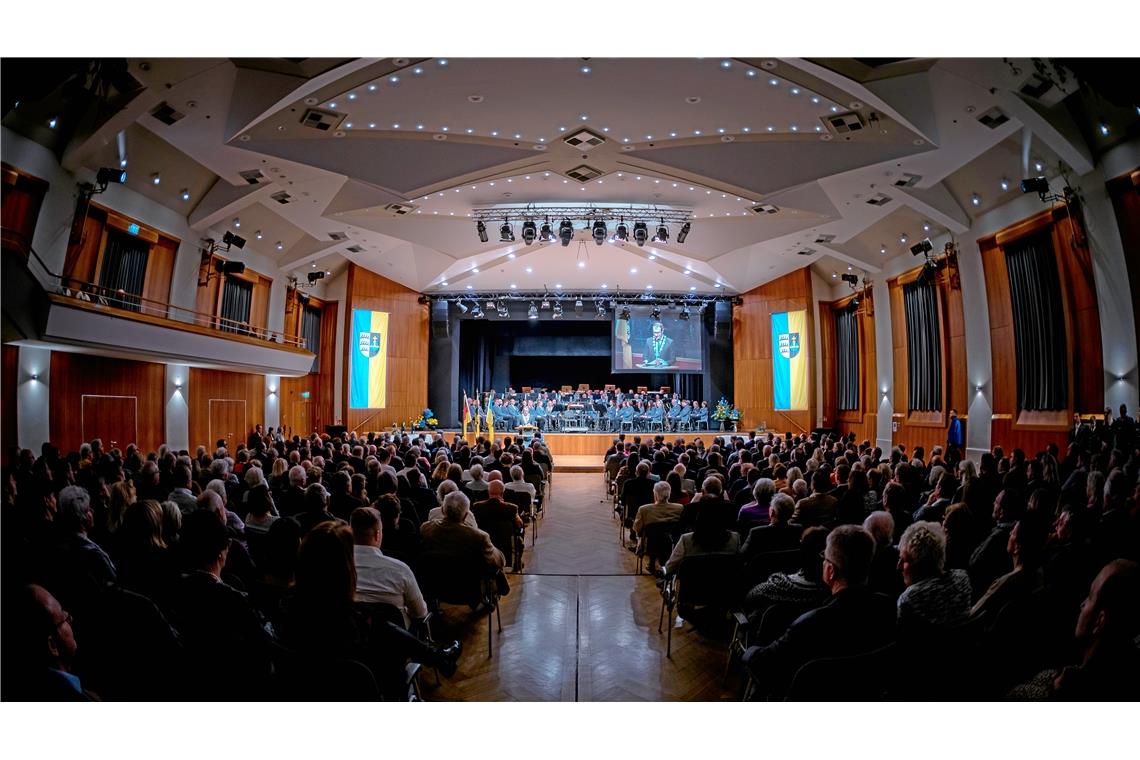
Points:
(595, 444)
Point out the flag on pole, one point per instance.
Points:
(466, 413)
(490, 422)
(475, 413)
(789, 360)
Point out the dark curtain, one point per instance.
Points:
(689, 385)
(1038, 324)
(236, 299)
(924, 346)
(311, 333)
(847, 360)
(124, 270)
(476, 365)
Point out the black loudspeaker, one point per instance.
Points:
(440, 319)
(723, 325)
(335, 431)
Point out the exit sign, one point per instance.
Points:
(133, 229)
(305, 394)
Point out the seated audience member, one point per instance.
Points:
(379, 578)
(803, 589)
(940, 497)
(855, 619)
(935, 598)
(292, 502)
(636, 491)
(518, 483)
(961, 538)
(477, 484)
(777, 535)
(460, 543)
(143, 562)
(39, 648)
(661, 510)
(819, 508)
(75, 568)
(1025, 545)
(717, 510)
(181, 493)
(884, 576)
(991, 558)
(709, 536)
(755, 513)
(341, 502)
(896, 502)
(1106, 633)
(316, 508)
(436, 515)
(498, 518)
(401, 534)
(851, 509)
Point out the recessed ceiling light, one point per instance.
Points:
(372, 125)
(513, 285)
(185, 195)
(720, 129)
(584, 117)
(395, 126)
(652, 257)
(469, 287)
(625, 139)
(835, 109)
(558, 285)
(726, 64)
(834, 275)
(1039, 166)
(926, 227)
(774, 82)
(751, 72)
(444, 283)
(258, 235)
(417, 71)
(976, 199)
(155, 179)
(849, 267)
(443, 129)
(649, 287)
(280, 246)
(332, 105)
(585, 69)
(581, 265)
(529, 270)
(794, 128)
(746, 129)
(348, 125)
(494, 134)
(692, 287)
(1004, 184)
(815, 99)
(470, 131)
(672, 134)
(352, 96)
(419, 126)
(237, 223)
(795, 90)
(442, 61)
(372, 88)
(818, 128)
(518, 136)
(475, 270)
(393, 79)
(1104, 129)
(696, 131)
(604, 286)
(649, 137)
(771, 128)
(633, 270)
(510, 255)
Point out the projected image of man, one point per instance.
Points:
(660, 350)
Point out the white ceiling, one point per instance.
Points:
(479, 134)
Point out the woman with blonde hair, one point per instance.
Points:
(122, 496)
(142, 562)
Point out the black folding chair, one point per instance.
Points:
(704, 580)
(444, 579)
(522, 500)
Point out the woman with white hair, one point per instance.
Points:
(436, 514)
(933, 598)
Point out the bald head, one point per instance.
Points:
(495, 488)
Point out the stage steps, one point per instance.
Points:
(578, 463)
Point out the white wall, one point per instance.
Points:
(336, 289)
(33, 384)
(820, 291)
(177, 408)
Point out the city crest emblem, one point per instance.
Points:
(369, 344)
(789, 345)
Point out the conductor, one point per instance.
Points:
(659, 348)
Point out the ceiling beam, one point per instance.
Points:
(83, 146)
(224, 200)
(303, 254)
(854, 261)
(937, 204)
(1057, 130)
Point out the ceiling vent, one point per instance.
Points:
(765, 208)
(824, 239)
(282, 197)
(323, 121)
(583, 139)
(805, 252)
(583, 173)
(355, 249)
(879, 199)
(338, 235)
(908, 180)
(399, 209)
(254, 176)
(844, 123)
(993, 118)
(166, 114)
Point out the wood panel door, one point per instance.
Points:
(300, 421)
(114, 419)
(228, 418)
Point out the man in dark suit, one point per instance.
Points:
(854, 621)
(462, 543)
(723, 512)
(819, 508)
(637, 491)
(498, 518)
(659, 350)
(777, 535)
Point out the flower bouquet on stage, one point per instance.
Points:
(726, 414)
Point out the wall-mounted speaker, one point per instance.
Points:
(440, 319)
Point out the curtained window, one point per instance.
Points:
(124, 269)
(923, 345)
(1038, 324)
(847, 360)
(237, 297)
(311, 333)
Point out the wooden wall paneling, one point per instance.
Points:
(207, 416)
(408, 326)
(83, 254)
(23, 196)
(1075, 268)
(9, 436)
(259, 306)
(299, 415)
(75, 419)
(324, 414)
(293, 309)
(160, 270)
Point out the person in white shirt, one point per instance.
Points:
(381, 579)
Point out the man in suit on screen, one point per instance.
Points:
(659, 350)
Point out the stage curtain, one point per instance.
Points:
(689, 386)
(311, 333)
(124, 269)
(237, 297)
(1038, 324)
(476, 366)
(924, 346)
(847, 360)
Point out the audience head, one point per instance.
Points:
(1110, 614)
(881, 527)
(205, 542)
(847, 558)
(780, 509)
(662, 491)
(813, 541)
(763, 491)
(712, 487)
(316, 498)
(297, 476)
(74, 513)
(495, 488)
(456, 506)
(326, 573)
(922, 551)
(366, 526)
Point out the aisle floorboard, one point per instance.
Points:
(578, 624)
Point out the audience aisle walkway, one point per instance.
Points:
(578, 625)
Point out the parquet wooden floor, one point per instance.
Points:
(579, 625)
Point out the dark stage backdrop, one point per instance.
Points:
(495, 353)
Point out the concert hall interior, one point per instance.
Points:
(724, 378)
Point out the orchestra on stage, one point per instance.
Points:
(587, 411)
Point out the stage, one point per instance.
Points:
(595, 444)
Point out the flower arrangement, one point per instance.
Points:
(426, 421)
(726, 413)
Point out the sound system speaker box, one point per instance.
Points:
(440, 322)
(723, 324)
(335, 431)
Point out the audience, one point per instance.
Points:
(935, 598)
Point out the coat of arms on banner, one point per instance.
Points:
(369, 344)
(789, 345)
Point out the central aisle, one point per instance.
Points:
(578, 625)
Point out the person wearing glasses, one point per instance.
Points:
(855, 619)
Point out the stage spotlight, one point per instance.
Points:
(921, 247)
(854, 303)
(477, 313)
(506, 233)
(481, 228)
(578, 305)
(557, 314)
(640, 232)
(601, 308)
(235, 267)
(302, 299)
(684, 315)
(529, 232)
(546, 303)
(491, 303)
(230, 239)
(625, 313)
(566, 232)
(314, 276)
(462, 307)
(504, 312)
(599, 232)
(107, 176)
(1039, 185)
(851, 278)
(622, 232)
(546, 234)
(684, 233)
(532, 312)
(662, 235)
(656, 313)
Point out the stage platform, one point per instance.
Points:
(595, 444)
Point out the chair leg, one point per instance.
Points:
(669, 635)
(661, 615)
(490, 641)
(498, 617)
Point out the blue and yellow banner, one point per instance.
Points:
(368, 367)
(789, 359)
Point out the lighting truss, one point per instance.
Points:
(581, 213)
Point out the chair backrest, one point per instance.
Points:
(583, 386)
(567, 389)
(642, 388)
(666, 389)
(660, 538)
(526, 389)
(761, 566)
(859, 677)
(776, 620)
(710, 580)
(520, 499)
(610, 387)
(449, 579)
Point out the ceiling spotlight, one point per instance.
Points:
(683, 233)
(529, 232)
(481, 228)
(532, 312)
(185, 194)
(851, 279)
(506, 232)
(578, 305)
(477, 313)
(107, 176)
(1038, 166)
(622, 232)
(625, 313)
(1039, 185)
(314, 276)
(640, 232)
(684, 315)
(504, 312)
(557, 313)
(461, 306)
(903, 238)
(546, 233)
(237, 223)
(230, 239)
(599, 232)
(976, 199)
(662, 235)
(920, 248)
(1004, 184)
(565, 232)
(155, 179)
(601, 310)
(1103, 129)
(545, 303)
(656, 313)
